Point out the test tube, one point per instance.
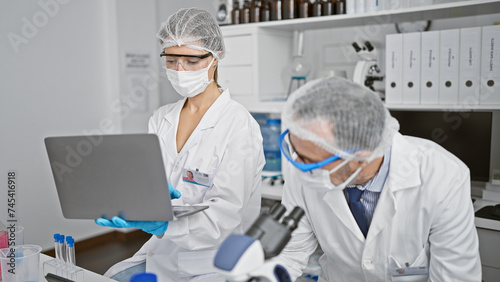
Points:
(57, 249)
(62, 249)
(62, 253)
(56, 245)
(70, 254)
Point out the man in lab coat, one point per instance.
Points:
(382, 206)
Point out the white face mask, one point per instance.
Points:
(320, 178)
(190, 83)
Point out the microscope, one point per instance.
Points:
(251, 256)
(367, 72)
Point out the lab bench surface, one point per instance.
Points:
(273, 192)
(488, 231)
(88, 275)
(485, 222)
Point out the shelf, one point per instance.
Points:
(277, 107)
(273, 192)
(265, 107)
(431, 12)
(444, 107)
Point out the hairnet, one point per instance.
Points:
(339, 115)
(194, 28)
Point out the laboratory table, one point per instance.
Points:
(88, 275)
(488, 231)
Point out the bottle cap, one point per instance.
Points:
(143, 277)
(274, 121)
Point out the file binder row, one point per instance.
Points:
(447, 67)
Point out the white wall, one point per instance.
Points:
(54, 83)
(165, 9)
(62, 74)
(135, 26)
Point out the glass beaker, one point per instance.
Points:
(5, 234)
(4, 243)
(20, 263)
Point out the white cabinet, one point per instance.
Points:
(488, 231)
(255, 66)
(255, 69)
(489, 249)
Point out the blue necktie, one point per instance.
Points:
(357, 209)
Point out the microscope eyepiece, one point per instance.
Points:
(369, 46)
(277, 211)
(293, 218)
(356, 47)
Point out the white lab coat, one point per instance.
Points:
(424, 217)
(226, 143)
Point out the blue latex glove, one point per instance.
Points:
(151, 227)
(174, 193)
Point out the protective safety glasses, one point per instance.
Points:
(287, 150)
(188, 62)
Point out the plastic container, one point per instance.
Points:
(143, 277)
(4, 241)
(270, 133)
(25, 259)
(260, 118)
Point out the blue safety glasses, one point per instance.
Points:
(291, 155)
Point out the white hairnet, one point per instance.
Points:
(194, 28)
(339, 115)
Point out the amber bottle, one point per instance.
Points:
(235, 13)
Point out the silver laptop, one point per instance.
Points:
(112, 175)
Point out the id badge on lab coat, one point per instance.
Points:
(197, 177)
(408, 271)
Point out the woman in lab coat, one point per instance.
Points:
(419, 211)
(210, 136)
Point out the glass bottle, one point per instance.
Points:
(235, 13)
(316, 8)
(288, 9)
(276, 10)
(327, 8)
(339, 7)
(255, 10)
(299, 67)
(245, 12)
(303, 7)
(265, 11)
(296, 9)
